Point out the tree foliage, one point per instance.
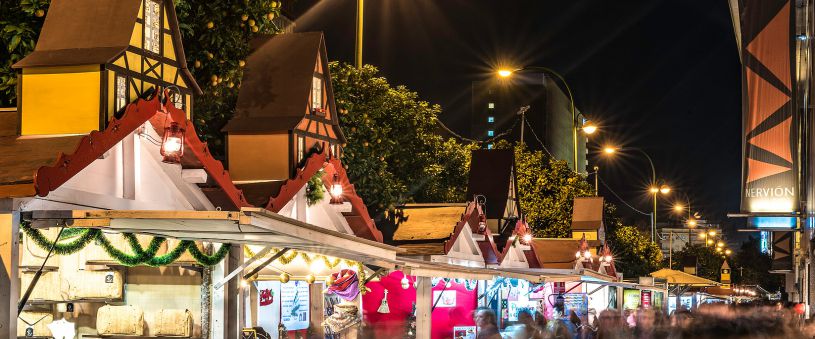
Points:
(546, 190)
(394, 154)
(216, 36)
(635, 254)
(708, 264)
(752, 266)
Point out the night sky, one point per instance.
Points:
(659, 75)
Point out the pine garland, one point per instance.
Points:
(315, 188)
(139, 256)
(60, 248)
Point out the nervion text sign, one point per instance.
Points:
(770, 124)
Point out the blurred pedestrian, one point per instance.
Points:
(487, 323)
(558, 327)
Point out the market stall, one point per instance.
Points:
(679, 283)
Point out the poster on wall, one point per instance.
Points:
(444, 298)
(612, 298)
(631, 299)
(657, 299)
(294, 302)
(463, 332)
(268, 305)
(577, 302)
(645, 299)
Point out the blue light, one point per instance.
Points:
(802, 37)
(490, 119)
(764, 242)
(490, 146)
(490, 133)
(773, 222)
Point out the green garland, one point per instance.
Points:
(315, 188)
(139, 256)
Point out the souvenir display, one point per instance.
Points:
(47, 288)
(346, 284)
(93, 285)
(344, 316)
(34, 324)
(62, 329)
(119, 320)
(383, 307)
(172, 323)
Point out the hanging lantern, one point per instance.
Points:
(336, 190)
(527, 238)
(172, 145)
(405, 282)
(482, 223)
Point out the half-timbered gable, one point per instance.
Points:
(93, 57)
(285, 107)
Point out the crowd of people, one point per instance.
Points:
(714, 321)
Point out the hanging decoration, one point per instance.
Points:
(315, 189)
(383, 306)
(346, 284)
(139, 256)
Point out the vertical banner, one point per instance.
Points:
(294, 305)
(268, 305)
(769, 168)
(783, 242)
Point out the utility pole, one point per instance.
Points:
(522, 113)
(360, 19)
(596, 181)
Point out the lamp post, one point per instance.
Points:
(588, 127)
(653, 189)
(358, 44)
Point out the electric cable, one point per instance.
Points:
(619, 198)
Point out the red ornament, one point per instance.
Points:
(800, 308)
(266, 297)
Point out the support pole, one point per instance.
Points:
(424, 299)
(360, 19)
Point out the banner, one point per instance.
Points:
(268, 306)
(769, 168)
(783, 245)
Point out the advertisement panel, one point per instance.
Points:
(631, 299)
(769, 168)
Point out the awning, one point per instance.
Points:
(675, 277)
(561, 275)
(428, 269)
(247, 226)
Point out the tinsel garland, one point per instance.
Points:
(315, 188)
(139, 256)
(293, 254)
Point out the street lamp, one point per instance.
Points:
(587, 128)
(654, 189)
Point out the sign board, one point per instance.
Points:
(773, 223)
(268, 305)
(783, 245)
(645, 299)
(577, 302)
(631, 299)
(294, 305)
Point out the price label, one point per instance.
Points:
(29, 332)
(109, 278)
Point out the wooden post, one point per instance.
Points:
(317, 305)
(234, 260)
(9, 285)
(424, 301)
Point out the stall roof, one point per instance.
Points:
(675, 277)
(563, 275)
(439, 270)
(247, 226)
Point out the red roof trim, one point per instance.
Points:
(93, 145)
(358, 219)
(520, 228)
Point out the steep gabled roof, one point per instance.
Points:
(554, 253)
(277, 83)
(276, 195)
(19, 158)
(490, 175)
(87, 32)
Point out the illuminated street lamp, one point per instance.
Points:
(654, 189)
(727, 251)
(587, 127)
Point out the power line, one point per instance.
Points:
(619, 198)
(495, 137)
(538, 139)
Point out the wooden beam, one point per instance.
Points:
(242, 266)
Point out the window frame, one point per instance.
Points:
(158, 43)
(317, 98)
(120, 93)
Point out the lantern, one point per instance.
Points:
(527, 238)
(336, 190)
(482, 223)
(172, 145)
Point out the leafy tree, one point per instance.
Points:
(546, 189)
(708, 264)
(216, 37)
(751, 267)
(635, 254)
(394, 154)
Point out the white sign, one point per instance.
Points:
(268, 305)
(448, 298)
(294, 302)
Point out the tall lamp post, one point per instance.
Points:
(587, 128)
(653, 189)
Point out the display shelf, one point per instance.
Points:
(96, 336)
(19, 337)
(51, 302)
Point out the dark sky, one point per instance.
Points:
(661, 75)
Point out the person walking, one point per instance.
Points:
(486, 323)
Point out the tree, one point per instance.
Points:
(394, 154)
(752, 267)
(546, 190)
(634, 253)
(216, 36)
(708, 261)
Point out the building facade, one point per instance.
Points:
(495, 107)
